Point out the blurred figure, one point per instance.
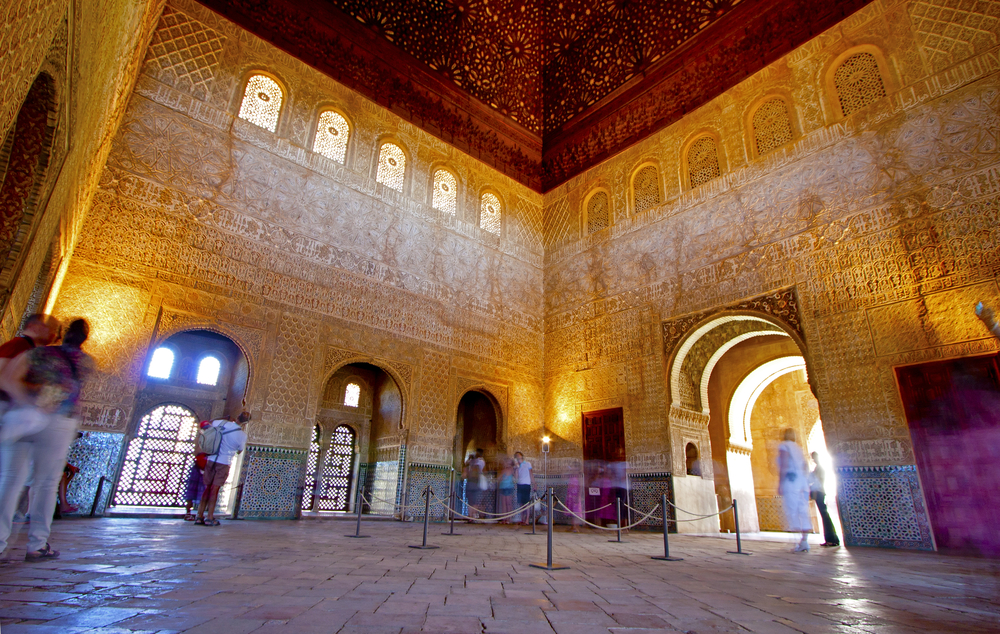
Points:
(574, 500)
(506, 488)
(618, 473)
(605, 509)
(475, 482)
(817, 491)
(524, 479)
(40, 330)
(793, 487)
(62, 503)
(44, 386)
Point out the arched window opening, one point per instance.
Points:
(772, 127)
(691, 455)
(161, 364)
(352, 395)
(858, 82)
(646, 188)
(309, 486)
(159, 458)
(703, 161)
(489, 213)
(445, 195)
(337, 471)
(598, 212)
(262, 102)
(391, 166)
(331, 136)
(208, 371)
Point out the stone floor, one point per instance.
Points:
(151, 575)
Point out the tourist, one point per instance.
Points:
(793, 487)
(475, 482)
(230, 439)
(194, 488)
(44, 386)
(817, 491)
(506, 488)
(524, 479)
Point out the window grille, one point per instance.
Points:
(337, 472)
(703, 161)
(309, 486)
(161, 364)
(598, 212)
(331, 136)
(489, 213)
(646, 188)
(445, 195)
(858, 82)
(262, 102)
(208, 371)
(159, 458)
(391, 166)
(772, 127)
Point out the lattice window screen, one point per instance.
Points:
(309, 486)
(331, 136)
(262, 102)
(445, 195)
(598, 212)
(489, 213)
(391, 166)
(772, 127)
(703, 161)
(337, 471)
(646, 188)
(159, 458)
(858, 82)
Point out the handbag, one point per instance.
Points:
(21, 422)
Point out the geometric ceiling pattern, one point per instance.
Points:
(540, 89)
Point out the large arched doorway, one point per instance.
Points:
(358, 442)
(478, 427)
(191, 376)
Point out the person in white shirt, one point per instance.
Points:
(234, 440)
(524, 482)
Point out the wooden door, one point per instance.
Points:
(603, 443)
(953, 412)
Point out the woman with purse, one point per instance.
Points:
(44, 385)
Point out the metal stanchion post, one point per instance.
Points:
(454, 501)
(666, 544)
(739, 542)
(618, 512)
(358, 505)
(427, 514)
(548, 565)
(534, 517)
(97, 496)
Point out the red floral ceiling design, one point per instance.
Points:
(533, 87)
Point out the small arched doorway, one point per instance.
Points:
(191, 376)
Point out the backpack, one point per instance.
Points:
(210, 439)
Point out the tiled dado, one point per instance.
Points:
(420, 477)
(646, 491)
(96, 454)
(883, 506)
(272, 480)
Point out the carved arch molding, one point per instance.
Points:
(402, 373)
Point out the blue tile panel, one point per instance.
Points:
(96, 454)
(645, 492)
(420, 476)
(271, 481)
(883, 506)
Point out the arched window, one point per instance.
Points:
(159, 458)
(352, 395)
(262, 102)
(858, 82)
(391, 166)
(331, 136)
(703, 161)
(208, 371)
(489, 213)
(691, 456)
(646, 188)
(772, 127)
(309, 486)
(445, 195)
(598, 212)
(161, 364)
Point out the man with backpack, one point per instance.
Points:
(221, 440)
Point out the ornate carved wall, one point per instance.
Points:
(205, 220)
(884, 221)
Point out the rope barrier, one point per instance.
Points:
(584, 520)
(498, 516)
(695, 517)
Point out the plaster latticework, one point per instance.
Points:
(703, 161)
(262, 102)
(332, 135)
(772, 126)
(598, 212)
(858, 82)
(445, 192)
(489, 213)
(646, 188)
(184, 53)
(290, 370)
(949, 31)
(391, 166)
(435, 420)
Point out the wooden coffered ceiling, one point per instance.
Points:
(540, 89)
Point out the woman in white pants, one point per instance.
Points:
(44, 385)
